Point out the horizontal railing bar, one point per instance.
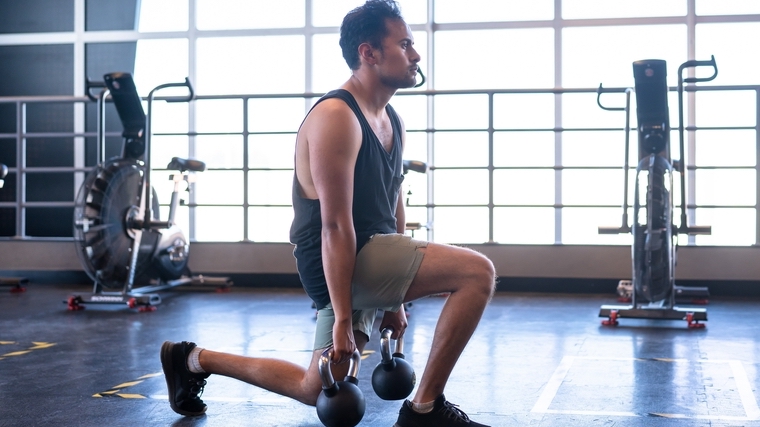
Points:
(555, 91)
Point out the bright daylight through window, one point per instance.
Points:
(514, 161)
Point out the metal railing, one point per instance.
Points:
(20, 170)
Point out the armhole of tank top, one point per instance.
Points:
(396, 124)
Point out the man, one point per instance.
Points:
(350, 249)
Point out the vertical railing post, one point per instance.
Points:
(757, 166)
(246, 172)
(490, 166)
(20, 169)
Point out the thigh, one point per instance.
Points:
(447, 268)
(384, 270)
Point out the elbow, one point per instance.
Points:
(337, 230)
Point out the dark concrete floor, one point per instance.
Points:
(536, 360)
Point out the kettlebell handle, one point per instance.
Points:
(385, 345)
(328, 381)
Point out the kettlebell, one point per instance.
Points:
(393, 378)
(341, 403)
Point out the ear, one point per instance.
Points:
(367, 53)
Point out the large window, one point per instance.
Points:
(525, 165)
(508, 120)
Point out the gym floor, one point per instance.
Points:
(535, 360)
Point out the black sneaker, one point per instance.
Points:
(184, 386)
(444, 414)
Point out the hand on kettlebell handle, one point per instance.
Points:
(393, 378)
(341, 403)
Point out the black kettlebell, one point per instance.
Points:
(394, 377)
(341, 403)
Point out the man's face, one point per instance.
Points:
(398, 63)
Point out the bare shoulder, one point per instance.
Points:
(331, 117)
(332, 136)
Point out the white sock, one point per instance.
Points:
(193, 364)
(423, 408)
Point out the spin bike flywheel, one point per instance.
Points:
(107, 196)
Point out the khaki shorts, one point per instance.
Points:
(384, 270)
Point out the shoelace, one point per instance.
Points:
(452, 411)
(196, 388)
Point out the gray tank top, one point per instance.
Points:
(378, 175)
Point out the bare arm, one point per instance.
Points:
(400, 212)
(334, 139)
(398, 320)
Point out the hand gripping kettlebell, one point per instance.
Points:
(341, 403)
(394, 377)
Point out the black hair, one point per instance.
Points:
(366, 24)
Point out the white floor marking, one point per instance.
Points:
(743, 387)
(542, 405)
(745, 390)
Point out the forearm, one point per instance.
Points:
(338, 259)
(400, 214)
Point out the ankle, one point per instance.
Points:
(423, 408)
(193, 361)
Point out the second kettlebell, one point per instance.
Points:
(394, 377)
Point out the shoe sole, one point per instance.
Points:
(167, 364)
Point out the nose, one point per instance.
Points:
(414, 56)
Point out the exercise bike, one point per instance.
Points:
(121, 241)
(16, 283)
(653, 291)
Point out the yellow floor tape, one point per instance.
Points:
(36, 346)
(115, 390)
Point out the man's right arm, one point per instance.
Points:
(334, 139)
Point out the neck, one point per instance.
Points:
(369, 92)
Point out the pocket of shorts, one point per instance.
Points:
(386, 239)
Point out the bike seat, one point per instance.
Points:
(182, 165)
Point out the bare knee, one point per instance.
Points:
(311, 393)
(311, 386)
(479, 275)
(453, 269)
(484, 275)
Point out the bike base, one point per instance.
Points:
(144, 298)
(690, 314)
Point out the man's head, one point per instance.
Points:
(366, 24)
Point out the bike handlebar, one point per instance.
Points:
(186, 83)
(89, 85)
(695, 63)
(600, 90)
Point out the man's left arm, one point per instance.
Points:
(400, 212)
(398, 320)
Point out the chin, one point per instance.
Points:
(409, 84)
(405, 83)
